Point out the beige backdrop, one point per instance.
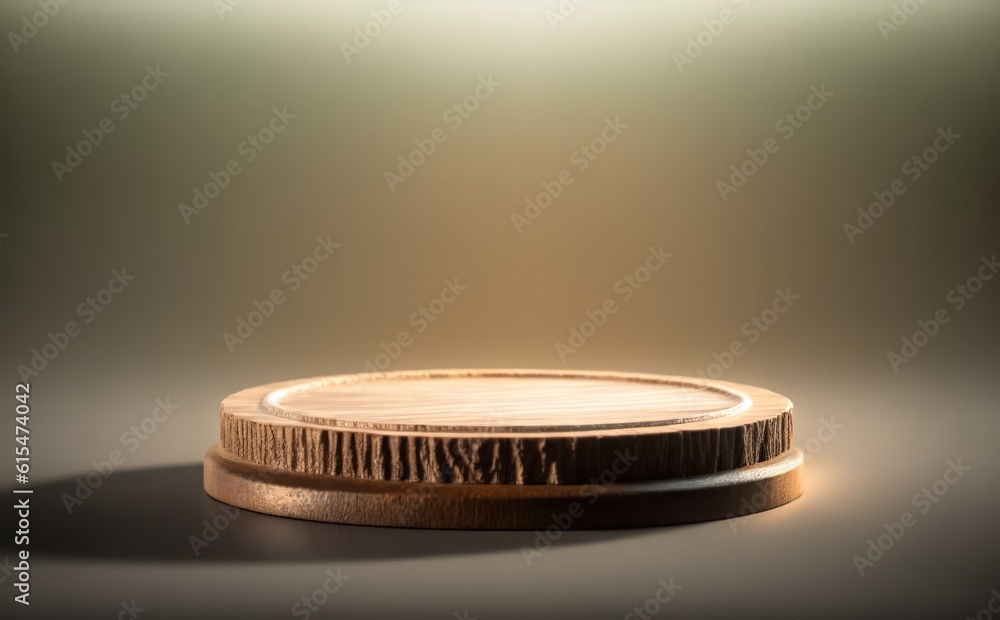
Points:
(531, 166)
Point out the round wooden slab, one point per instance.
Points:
(524, 427)
(505, 449)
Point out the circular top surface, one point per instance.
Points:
(501, 402)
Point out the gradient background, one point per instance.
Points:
(656, 184)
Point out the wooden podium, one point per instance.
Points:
(505, 449)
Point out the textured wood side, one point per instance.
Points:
(625, 446)
(512, 507)
(527, 460)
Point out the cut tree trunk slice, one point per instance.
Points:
(505, 427)
(505, 449)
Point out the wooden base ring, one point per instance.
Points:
(601, 505)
